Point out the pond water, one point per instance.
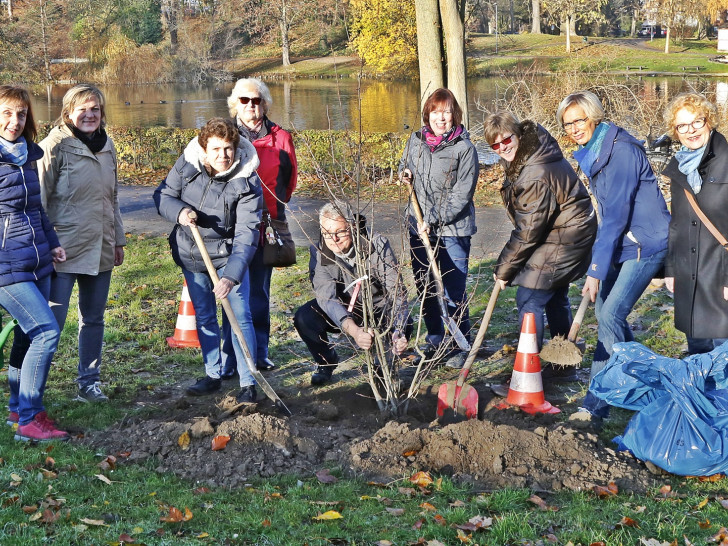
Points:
(310, 103)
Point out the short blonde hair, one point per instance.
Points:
(588, 102)
(78, 94)
(693, 102)
(233, 101)
(501, 123)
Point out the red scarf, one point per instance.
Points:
(433, 141)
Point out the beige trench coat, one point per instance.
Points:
(80, 194)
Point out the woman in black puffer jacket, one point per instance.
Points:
(27, 252)
(215, 177)
(553, 218)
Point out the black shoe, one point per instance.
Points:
(457, 360)
(247, 395)
(204, 385)
(265, 365)
(322, 374)
(230, 375)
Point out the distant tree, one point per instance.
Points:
(141, 21)
(383, 33)
(570, 11)
(536, 17)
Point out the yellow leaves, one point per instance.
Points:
(184, 441)
(219, 442)
(702, 504)
(427, 507)
(94, 522)
(175, 515)
(327, 516)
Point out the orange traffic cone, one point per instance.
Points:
(526, 388)
(185, 331)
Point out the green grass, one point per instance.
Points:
(280, 510)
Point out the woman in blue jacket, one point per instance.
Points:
(28, 249)
(631, 242)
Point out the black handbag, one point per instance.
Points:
(279, 250)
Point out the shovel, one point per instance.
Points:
(456, 400)
(267, 389)
(564, 352)
(450, 324)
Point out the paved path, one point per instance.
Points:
(140, 216)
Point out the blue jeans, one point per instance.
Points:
(260, 276)
(617, 295)
(208, 330)
(93, 292)
(34, 343)
(555, 303)
(451, 254)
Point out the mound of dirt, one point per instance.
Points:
(343, 428)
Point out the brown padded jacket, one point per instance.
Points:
(552, 214)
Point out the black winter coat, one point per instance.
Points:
(696, 260)
(27, 234)
(554, 221)
(228, 207)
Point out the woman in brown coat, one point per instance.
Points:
(554, 222)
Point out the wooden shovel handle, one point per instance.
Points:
(578, 319)
(480, 335)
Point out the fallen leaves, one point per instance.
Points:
(103, 478)
(324, 476)
(175, 515)
(108, 464)
(327, 516)
(94, 522)
(538, 501)
(604, 492)
(184, 441)
(422, 479)
(219, 442)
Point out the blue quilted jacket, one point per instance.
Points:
(26, 233)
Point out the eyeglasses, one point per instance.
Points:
(255, 100)
(505, 142)
(328, 235)
(576, 124)
(696, 124)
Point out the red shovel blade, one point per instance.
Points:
(464, 405)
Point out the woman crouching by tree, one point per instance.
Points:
(553, 218)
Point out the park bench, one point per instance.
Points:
(636, 68)
(693, 68)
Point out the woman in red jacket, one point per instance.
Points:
(249, 103)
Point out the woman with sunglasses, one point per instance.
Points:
(631, 242)
(248, 104)
(696, 268)
(442, 165)
(554, 222)
(215, 177)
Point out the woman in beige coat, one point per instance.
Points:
(79, 187)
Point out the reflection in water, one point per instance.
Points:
(314, 104)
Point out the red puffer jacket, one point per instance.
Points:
(278, 168)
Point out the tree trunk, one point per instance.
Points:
(536, 21)
(169, 19)
(567, 25)
(285, 44)
(429, 48)
(633, 31)
(667, 40)
(44, 37)
(10, 9)
(454, 30)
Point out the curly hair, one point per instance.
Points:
(693, 102)
(18, 95)
(442, 97)
(222, 128)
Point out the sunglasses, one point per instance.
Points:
(505, 142)
(255, 100)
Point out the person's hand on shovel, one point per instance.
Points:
(423, 228)
(591, 287)
(363, 338)
(187, 217)
(501, 282)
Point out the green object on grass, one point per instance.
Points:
(4, 337)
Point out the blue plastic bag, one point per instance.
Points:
(681, 424)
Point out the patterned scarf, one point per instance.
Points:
(586, 155)
(688, 162)
(434, 142)
(251, 134)
(14, 152)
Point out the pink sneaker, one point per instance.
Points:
(40, 430)
(13, 418)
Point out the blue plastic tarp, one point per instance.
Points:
(681, 424)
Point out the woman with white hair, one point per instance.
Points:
(249, 103)
(631, 242)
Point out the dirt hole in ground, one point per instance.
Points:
(340, 426)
